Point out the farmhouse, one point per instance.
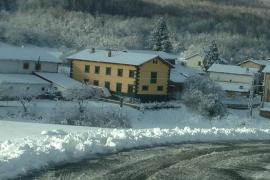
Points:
(140, 75)
(235, 80)
(194, 61)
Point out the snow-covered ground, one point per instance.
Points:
(28, 146)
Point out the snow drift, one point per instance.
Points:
(56, 147)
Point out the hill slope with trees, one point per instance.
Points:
(240, 28)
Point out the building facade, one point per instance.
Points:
(235, 80)
(16, 60)
(195, 61)
(138, 75)
(17, 67)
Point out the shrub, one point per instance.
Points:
(203, 95)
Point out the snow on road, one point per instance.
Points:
(46, 146)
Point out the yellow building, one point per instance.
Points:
(139, 75)
(195, 61)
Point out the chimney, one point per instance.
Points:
(109, 53)
(93, 50)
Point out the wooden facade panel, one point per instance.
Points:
(145, 70)
(250, 64)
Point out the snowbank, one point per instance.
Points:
(55, 147)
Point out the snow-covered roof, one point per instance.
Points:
(180, 73)
(117, 57)
(266, 69)
(27, 54)
(259, 62)
(235, 87)
(230, 69)
(191, 56)
(21, 79)
(60, 79)
(163, 55)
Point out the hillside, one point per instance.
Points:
(240, 27)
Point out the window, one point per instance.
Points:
(155, 61)
(43, 89)
(145, 88)
(25, 65)
(199, 63)
(130, 88)
(87, 68)
(38, 67)
(97, 69)
(131, 74)
(108, 71)
(86, 81)
(160, 88)
(96, 82)
(153, 78)
(107, 85)
(120, 72)
(118, 87)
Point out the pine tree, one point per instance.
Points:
(212, 56)
(159, 39)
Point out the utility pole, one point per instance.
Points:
(251, 96)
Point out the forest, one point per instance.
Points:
(239, 27)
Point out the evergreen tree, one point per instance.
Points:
(212, 56)
(159, 39)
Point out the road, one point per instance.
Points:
(200, 161)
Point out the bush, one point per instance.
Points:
(203, 95)
(95, 117)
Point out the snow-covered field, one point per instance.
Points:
(28, 146)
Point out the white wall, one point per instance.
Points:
(12, 90)
(8, 67)
(233, 77)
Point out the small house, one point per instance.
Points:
(251, 63)
(17, 60)
(194, 61)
